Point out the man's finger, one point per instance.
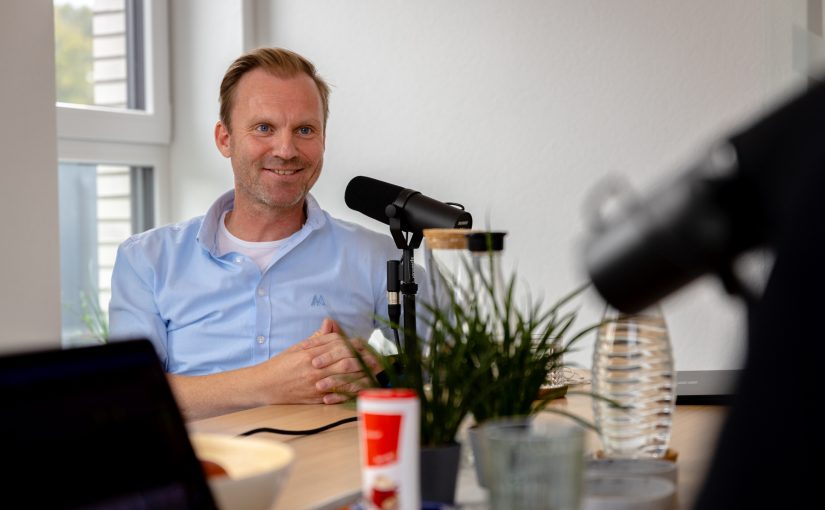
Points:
(326, 327)
(335, 398)
(344, 388)
(338, 381)
(319, 340)
(334, 326)
(331, 354)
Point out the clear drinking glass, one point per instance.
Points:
(538, 467)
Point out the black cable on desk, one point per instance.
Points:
(299, 432)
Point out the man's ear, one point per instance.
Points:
(222, 139)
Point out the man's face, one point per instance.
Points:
(277, 139)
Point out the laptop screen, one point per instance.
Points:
(95, 427)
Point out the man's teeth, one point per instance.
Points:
(283, 172)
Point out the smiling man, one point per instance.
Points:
(247, 305)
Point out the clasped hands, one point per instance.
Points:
(324, 368)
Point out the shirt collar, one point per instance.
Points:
(208, 232)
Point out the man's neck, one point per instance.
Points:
(260, 224)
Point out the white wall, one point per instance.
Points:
(516, 109)
(205, 37)
(29, 274)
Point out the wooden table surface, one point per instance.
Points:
(326, 472)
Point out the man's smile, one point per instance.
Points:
(283, 172)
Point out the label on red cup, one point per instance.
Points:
(388, 427)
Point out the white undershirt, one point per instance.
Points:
(260, 252)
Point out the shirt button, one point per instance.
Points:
(261, 292)
(260, 339)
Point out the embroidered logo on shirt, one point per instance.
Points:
(318, 300)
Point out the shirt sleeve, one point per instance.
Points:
(133, 311)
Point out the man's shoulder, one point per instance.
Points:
(173, 233)
(353, 232)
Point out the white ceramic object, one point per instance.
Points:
(257, 469)
(628, 493)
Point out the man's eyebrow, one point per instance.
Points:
(308, 121)
(259, 120)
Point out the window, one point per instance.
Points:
(100, 206)
(98, 53)
(111, 63)
(113, 134)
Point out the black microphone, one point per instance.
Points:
(381, 201)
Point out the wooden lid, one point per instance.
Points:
(446, 238)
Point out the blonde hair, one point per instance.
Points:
(276, 61)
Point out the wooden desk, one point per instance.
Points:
(326, 473)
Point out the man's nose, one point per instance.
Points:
(283, 146)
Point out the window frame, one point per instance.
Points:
(155, 156)
(150, 126)
(132, 155)
(136, 138)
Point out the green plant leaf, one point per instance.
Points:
(485, 355)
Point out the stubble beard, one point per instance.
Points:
(263, 196)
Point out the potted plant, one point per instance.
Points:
(445, 370)
(525, 342)
(483, 356)
(528, 344)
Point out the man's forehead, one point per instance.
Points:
(263, 78)
(260, 86)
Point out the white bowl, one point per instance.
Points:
(256, 469)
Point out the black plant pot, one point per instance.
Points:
(439, 472)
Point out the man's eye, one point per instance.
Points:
(305, 130)
(263, 128)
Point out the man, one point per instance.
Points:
(224, 297)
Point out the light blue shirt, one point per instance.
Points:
(206, 313)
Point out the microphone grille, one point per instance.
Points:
(371, 196)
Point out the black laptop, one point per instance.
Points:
(706, 387)
(93, 428)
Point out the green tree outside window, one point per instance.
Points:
(73, 53)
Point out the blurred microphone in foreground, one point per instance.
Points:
(732, 200)
(762, 186)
